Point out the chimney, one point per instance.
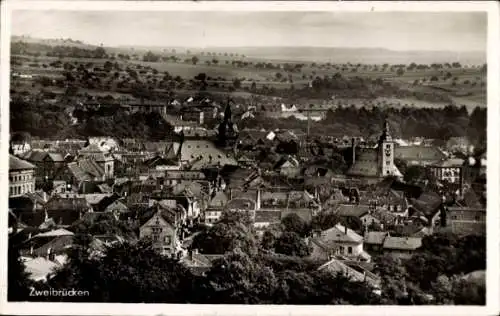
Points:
(345, 227)
(201, 117)
(353, 148)
(257, 202)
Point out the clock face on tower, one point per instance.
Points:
(388, 150)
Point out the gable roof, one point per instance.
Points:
(352, 210)
(90, 167)
(375, 238)
(19, 164)
(55, 233)
(365, 164)
(337, 266)
(219, 200)
(204, 153)
(402, 243)
(77, 172)
(338, 233)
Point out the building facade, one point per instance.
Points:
(21, 177)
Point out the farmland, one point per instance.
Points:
(67, 77)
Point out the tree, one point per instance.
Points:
(18, 279)
(127, 273)
(238, 279)
(195, 60)
(294, 224)
(291, 244)
(225, 237)
(268, 240)
(400, 71)
(108, 66)
(414, 173)
(324, 220)
(237, 83)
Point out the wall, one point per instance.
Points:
(21, 182)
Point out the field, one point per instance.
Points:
(464, 85)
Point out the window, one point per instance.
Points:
(476, 218)
(349, 250)
(156, 237)
(168, 239)
(157, 230)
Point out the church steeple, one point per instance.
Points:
(386, 134)
(227, 112)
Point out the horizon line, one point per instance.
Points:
(256, 46)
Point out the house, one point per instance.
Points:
(466, 220)
(336, 266)
(118, 208)
(288, 166)
(47, 163)
(104, 160)
(66, 210)
(426, 207)
(21, 177)
(172, 177)
(215, 207)
(353, 213)
(264, 218)
(197, 263)
(20, 148)
(338, 240)
(374, 241)
(401, 247)
(40, 268)
(162, 230)
(460, 144)
(449, 170)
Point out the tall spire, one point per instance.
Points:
(386, 134)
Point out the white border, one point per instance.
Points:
(493, 223)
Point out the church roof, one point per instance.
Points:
(366, 164)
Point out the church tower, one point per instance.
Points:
(386, 153)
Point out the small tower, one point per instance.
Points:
(386, 152)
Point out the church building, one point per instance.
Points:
(375, 163)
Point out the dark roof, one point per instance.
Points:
(19, 164)
(73, 203)
(90, 167)
(264, 216)
(352, 210)
(78, 172)
(365, 163)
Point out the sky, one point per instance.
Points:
(452, 31)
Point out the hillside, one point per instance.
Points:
(297, 53)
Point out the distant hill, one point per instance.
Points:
(357, 55)
(299, 54)
(52, 42)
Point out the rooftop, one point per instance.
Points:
(16, 164)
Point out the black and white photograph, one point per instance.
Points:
(226, 156)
